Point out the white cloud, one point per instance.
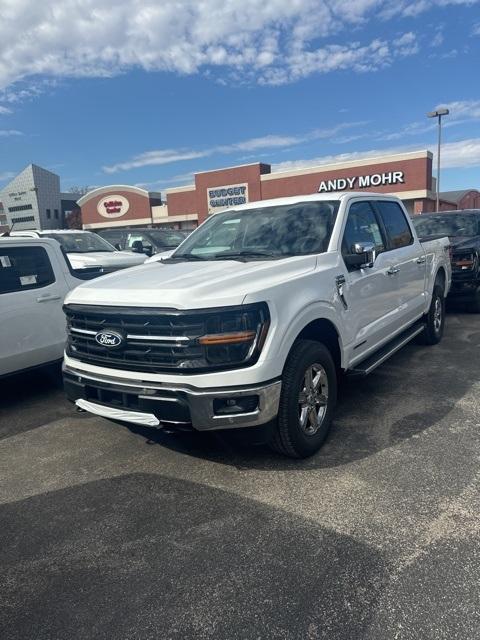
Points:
(7, 175)
(476, 29)
(168, 156)
(273, 42)
(5, 111)
(461, 109)
(464, 153)
(5, 133)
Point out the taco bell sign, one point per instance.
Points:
(362, 182)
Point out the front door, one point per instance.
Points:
(369, 292)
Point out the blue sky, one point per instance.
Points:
(146, 93)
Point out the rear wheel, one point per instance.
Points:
(307, 401)
(435, 318)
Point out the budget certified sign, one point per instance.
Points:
(230, 195)
(362, 182)
(113, 206)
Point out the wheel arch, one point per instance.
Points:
(324, 331)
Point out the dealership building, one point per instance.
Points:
(407, 175)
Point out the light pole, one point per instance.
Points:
(438, 114)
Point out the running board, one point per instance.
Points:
(367, 366)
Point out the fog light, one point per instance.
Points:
(231, 406)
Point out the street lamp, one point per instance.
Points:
(438, 114)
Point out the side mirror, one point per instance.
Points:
(118, 246)
(137, 246)
(363, 255)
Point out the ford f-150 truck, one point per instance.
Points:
(252, 319)
(463, 230)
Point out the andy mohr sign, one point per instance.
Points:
(362, 182)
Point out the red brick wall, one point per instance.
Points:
(417, 175)
(249, 174)
(139, 208)
(182, 203)
(471, 200)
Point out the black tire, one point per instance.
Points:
(289, 438)
(434, 326)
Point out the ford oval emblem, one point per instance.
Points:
(110, 339)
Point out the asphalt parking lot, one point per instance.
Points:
(116, 532)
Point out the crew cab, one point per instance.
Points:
(463, 229)
(87, 251)
(252, 319)
(34, 279)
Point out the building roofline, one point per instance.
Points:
(110, 188)
(349, 164)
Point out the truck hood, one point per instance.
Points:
(189, 285)
(108, 259)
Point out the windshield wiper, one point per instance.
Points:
(185, 256)
(245, 253)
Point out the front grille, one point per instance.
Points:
(154, 340)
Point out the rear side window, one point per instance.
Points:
(396, 225)
(24, 268)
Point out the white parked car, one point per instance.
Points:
(251, 319)
(34, 279)
(87, 250)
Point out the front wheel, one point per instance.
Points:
(435, 318)
(307, 401)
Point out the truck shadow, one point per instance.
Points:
(31, 399)
(140, 554)
(413, 391)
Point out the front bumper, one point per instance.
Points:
(155, 404)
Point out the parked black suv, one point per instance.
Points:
(144, 240)
(463, 229)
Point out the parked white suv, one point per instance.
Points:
(87, 250)
(252, 318)
(34, 279)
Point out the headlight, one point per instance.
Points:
(235, 336)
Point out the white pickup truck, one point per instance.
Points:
(34, 279)
(87, 251)
(252, 319)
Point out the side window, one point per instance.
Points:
(396, 224)
(362, 226)
(114, 237)
(24, 268)
(137, 237)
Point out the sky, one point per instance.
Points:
(146, 93)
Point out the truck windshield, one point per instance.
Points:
(454, 224)
(82, 242)
(165, 237)
(263, 233)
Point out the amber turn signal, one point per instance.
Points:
(228, 338)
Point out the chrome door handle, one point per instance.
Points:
(421, 260)
(48, 297)
(392, 271)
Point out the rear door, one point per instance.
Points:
(371, 303)
(408, 259)
(32, 289)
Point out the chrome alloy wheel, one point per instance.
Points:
(313, 399)
(437, 315)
